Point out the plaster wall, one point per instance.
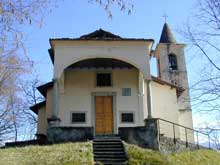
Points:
(49, 103)
(69, 52)
(44, 113)
(77, 96)
(41, 124)
(164, 106)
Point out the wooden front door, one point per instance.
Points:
(104, 115)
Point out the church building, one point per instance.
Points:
(102, 85)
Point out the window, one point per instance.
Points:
(172, 61)
(78, 117)
(103, 79)
(127, 117)
(126, 91)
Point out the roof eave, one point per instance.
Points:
(156, 79)
(43, 88)
(100, 39)
(51, 53)
(35, 107)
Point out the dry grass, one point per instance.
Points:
(198, 157)
(81, 154)
(59, 154)
(140, 156)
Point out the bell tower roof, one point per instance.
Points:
(167, 35)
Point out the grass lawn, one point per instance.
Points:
(59, 154)
(140, 156)
(81, 154)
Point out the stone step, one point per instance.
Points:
(107, 137)
(107, 142)
(107, 149)
(112, 163)
(107, 146)
(113, 157)
(109, 153)
(107, 160)
(109, 156)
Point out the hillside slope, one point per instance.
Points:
(59, 154)
(81, 154)
(140, 156)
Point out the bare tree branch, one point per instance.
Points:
(203, 32)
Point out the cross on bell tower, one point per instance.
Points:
(165, 16)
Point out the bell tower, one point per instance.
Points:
(170, 59)
(171, 67)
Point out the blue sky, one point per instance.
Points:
(73, 18)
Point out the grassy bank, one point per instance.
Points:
(59, 154)
(140, 156)
(81, 154)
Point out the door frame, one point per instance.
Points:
(93, 113)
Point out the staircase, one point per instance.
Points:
(109, 150)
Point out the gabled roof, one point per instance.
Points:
(35, 107)
(101, 35)
(43, 88)
(167, 35)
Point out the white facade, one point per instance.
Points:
(83, 84)
(74, 90)
(70, 52)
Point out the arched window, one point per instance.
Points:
(172, 61)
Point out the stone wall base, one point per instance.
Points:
(41, 138)
(168, 145)
(69, 134)
(140, 136)
(146, 136)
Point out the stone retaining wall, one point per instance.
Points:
(146, 136)
(69, 134)
(168, 145)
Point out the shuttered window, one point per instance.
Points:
(127, 117)
(103, 79)
(78, 117)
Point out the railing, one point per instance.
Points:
(176, 133)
